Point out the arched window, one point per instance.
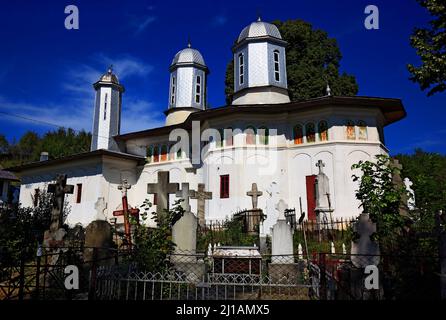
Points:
(276, 65)
(198, 90)
(171, 152)
(229, 139)
(310, 132)
(241, 66)
(263, 135)
(156, 154)
(298, 134)
(149, 154)
(221, 139)
(362, 134)
(105, 106)
(323, 130)
(172, 91)
(164, 153)
(250, 133)
(351, 134)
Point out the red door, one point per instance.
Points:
(311, 197)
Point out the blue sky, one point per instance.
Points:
(46, 71)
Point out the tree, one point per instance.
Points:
(4, 145)
(430, 45)
(313, 60)
(154, 245)
(381, 199)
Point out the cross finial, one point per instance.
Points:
(328, 90)
(188, 42)
(124, 186)
(110, 69)
(320, 165)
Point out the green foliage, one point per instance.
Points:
(231, 234)
(430, 45)
(427, 171)
(381, 199)
(312, 61)
(58, 143)
(154, 245)
(21, 229)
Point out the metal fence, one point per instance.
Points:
(197, 277)
(107, 274)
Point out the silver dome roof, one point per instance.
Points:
(109, 76)
(259, 29)
(188, 55)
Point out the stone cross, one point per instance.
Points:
(162, 189)
(364, 251)
(321, 166)
(100, 206)
(59, 189)
(124, 186)
(185, 193)
(201, 197)
(254, 193)
(281, 207)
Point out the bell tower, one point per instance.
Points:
(187, 90)
(107, 111)
(260, 66)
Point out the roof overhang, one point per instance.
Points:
(391, 109)
(79, 156)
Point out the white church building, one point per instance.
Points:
(262, 138)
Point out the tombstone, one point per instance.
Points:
(201, 197)
(98, 234)
(54, 237)
(411, 194)
(282, 268)
(300, 252)
(323, 202)
(59, 189)
(332, 248)
(399, 183)
(254, 193)
(185, 193)
(162, 189)
(100, 207)
(364, 251)
(184, 235)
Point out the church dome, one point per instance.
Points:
(109, 76)
(259, 29)
(188, 56)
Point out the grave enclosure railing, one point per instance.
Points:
(108, 275)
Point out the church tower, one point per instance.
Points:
(260, 66)
(187, 90)
(107, 112)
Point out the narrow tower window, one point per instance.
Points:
(276, 65)
(198, 90)
(105, 106)
(172, 92)
(241, 64)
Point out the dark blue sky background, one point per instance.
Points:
(46, 71)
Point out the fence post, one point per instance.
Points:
(22, 275)
(93, 275)
(39, 257)
(323, 280)
(442, 254)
